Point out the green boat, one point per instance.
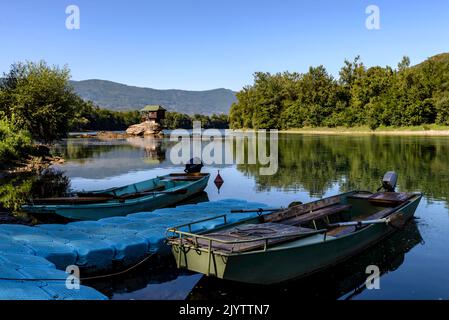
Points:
(292, 243)
(147, 195)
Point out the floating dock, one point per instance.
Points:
(33, 260)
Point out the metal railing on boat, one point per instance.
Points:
(178, 234)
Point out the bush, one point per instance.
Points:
(14, 141)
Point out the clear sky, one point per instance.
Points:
(205, 44)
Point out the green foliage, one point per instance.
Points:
(89, 117)
(376, 96)
(176, 120)
(442, 107)
(39, 98)
(14, 141)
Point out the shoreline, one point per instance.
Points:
(440, 133)
(32, 164)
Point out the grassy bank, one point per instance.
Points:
(423, 130)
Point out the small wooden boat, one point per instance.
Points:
(147, 195)
(291, 243)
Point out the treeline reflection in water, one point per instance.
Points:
(316, 163)
(306, 162)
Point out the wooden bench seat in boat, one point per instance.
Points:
(183, 178)
(383, 198)
(192, 174)
(131, 195)
(250, 232)
(390, 198)
(316, 215)
(360, 195)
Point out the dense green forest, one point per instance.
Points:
(361, 96)
(176, 120)
(89, 117)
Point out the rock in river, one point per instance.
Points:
(144, 128)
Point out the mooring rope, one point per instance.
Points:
(83, 279)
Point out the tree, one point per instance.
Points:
(404, 64)
(39, 98)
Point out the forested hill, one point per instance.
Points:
(401, 95)
(117, 96)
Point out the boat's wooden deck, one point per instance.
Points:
(287, 224)
(251, 232)
(316, 215)
(384, 198)
(185, 176)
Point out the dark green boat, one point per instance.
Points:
(294, 242)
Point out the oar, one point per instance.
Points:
(396, 220)
(292, 204)
(112, 196)
(139, 194)
(98, 199)
(254, 210)
(132, 195)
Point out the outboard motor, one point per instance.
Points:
(194, 166)
(389, 181)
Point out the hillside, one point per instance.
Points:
(439, 58)
(117, 96)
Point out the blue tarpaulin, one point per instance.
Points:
(38, 252)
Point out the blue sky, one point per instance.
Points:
(199, 44)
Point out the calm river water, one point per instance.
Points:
(414, 262)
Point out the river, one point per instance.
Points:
(414, 263)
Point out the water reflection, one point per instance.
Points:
(100, 159)
(315, 163)
(344, 281)
(154, 149)
(16, 190)
(156, 280)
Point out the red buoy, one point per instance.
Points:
(218, 181)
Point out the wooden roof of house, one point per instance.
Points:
(152, 108)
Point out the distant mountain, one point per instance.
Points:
(117, 96)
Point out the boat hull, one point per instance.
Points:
(119, 208)
(288, 261)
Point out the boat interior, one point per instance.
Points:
(304, 220)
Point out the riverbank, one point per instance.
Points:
(31, 164)
(112, 135)
(425, 130)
